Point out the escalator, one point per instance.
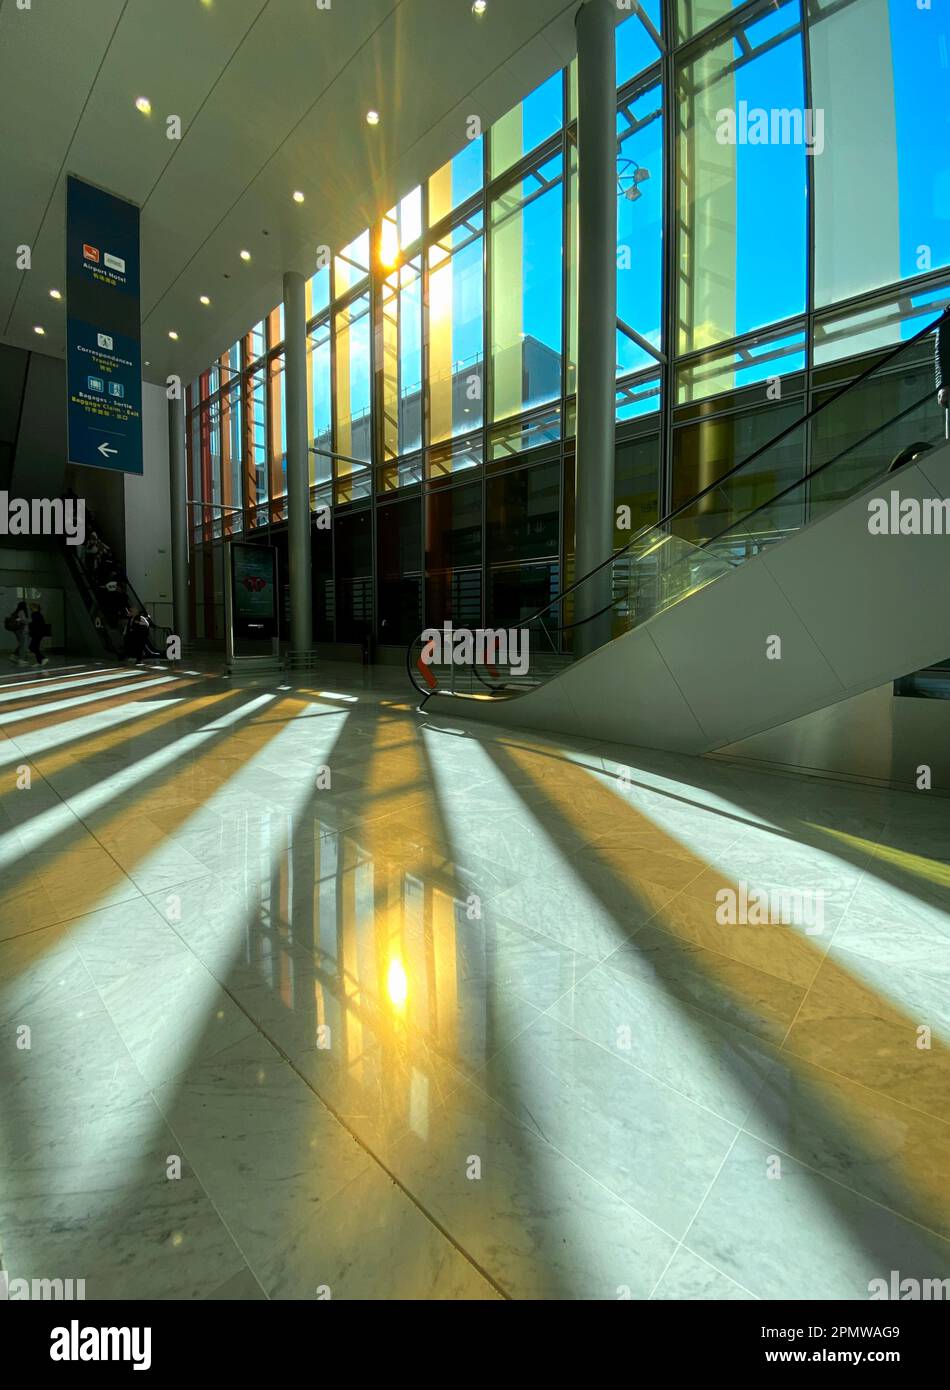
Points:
(762, 597)
(106, 597)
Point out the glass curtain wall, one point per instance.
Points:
(783, 215)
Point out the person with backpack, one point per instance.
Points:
(136, 634)
(114, 603)
(39, 628)
(97, 559)
(19, 624)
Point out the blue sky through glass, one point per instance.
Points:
(636, 47)
(639, 231)
(771, 212)
(542, 112)
(467, 301)
(542, 268)
(467, 172)
(920, 47)
(771, 196)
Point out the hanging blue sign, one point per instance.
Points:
(103, 329)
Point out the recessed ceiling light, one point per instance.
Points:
(372, 118)
(55, 294)
(298, 196)
(144, 105)
(203, 299)
(479, 8)
(38, 328)
(148, 364)
(245, 255)
(173, 335)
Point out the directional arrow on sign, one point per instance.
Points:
(106, 449)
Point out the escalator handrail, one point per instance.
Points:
(814, 472)
(847, 386)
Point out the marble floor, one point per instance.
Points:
(305, 995)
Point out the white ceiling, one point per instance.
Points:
(272, 96)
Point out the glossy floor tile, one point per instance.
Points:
(308, 996)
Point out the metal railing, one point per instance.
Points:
(656, 568)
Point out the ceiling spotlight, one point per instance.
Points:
(55, 294)
(479, 8)
(372, 118)
(203, 299)
(245, 255)
(173, 335)
(38, 328)
(298, 196)
(144, 105)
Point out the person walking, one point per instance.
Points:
(136, 634)
(19, 624)
(39, 628)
